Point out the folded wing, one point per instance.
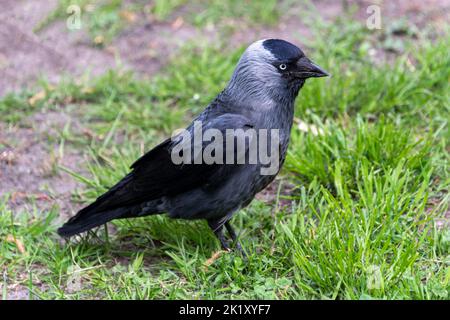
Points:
(153, 176)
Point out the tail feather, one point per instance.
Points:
(80, 223)
(109, 206)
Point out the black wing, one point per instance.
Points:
(155, 175)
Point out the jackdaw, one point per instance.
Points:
(260, 96)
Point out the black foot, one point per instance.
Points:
(235, 239)
(218, 231)
(223, 242)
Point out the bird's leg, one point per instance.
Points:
(219, 234)
(234, 237)
(218, 231)
(230, 231)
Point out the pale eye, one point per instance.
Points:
(283, 66)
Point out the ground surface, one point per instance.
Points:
(65, 135)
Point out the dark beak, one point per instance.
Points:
(308, 69)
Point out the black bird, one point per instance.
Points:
(260, 95)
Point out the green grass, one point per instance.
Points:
(364, 220)
(218, 13)
(235, 11)
(13, 107)
(162, 9)
(103, 20)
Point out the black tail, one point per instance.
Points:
(123, 200)
(84, 222)
(99, 212)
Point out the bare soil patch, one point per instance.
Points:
(147, 45)
(29, 164)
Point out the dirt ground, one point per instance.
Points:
(144, 47)
(26, 161)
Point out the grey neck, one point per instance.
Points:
(269, 107)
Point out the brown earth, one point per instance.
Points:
(145, 46)
(28, 163)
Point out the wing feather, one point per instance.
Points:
(155, 175)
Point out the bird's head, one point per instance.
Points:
(274, 66)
